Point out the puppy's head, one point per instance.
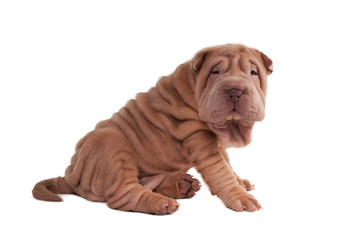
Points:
(231, 83)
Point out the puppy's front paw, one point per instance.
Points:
(242, 201)
(245, 184)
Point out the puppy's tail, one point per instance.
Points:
(47, 190)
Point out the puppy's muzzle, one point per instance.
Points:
(235, 94)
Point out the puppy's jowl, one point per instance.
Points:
(139, 158)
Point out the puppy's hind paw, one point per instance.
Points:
(188, 186)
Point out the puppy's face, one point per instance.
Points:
(230, 91)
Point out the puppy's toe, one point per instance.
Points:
(244, 183)
(166, 206)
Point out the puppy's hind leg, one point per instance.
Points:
(127, 194)
(177, 186)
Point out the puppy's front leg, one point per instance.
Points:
(242, 182)
(223, 183)
(217, 173)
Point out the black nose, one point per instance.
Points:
(235, 94)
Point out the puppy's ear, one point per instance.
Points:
(267, 62)
(198, 60)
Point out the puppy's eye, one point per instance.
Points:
(215, 72)
(254, 73)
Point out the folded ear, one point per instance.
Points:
(267, 62)
(198, 60)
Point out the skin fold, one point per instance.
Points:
(139, 158)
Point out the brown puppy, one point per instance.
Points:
(138, 160)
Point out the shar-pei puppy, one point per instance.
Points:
(138, 159)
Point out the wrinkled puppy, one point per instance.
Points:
(138, 159)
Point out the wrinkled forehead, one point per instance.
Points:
(234, 54)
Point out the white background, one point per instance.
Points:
(65, 65)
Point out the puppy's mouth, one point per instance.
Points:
(245, 114)
(233, 117)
